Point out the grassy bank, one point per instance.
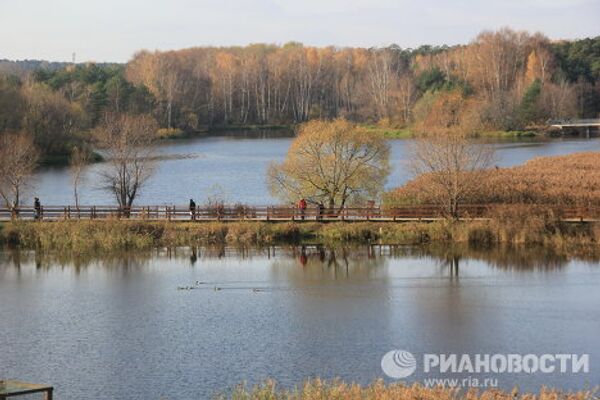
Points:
(389, 132)
(323, 390)
(407, 133)
(84, 236)
(509, 134)
(174, 133)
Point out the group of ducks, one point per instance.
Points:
(200, 283)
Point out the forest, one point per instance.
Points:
(502, 80)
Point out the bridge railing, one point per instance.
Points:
(268, 213)
(574, 121)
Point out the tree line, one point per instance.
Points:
(501, 80)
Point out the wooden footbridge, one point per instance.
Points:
(576, 124)
(272, 213)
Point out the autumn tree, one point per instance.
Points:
(128, 145)
(18, 159)
(455, 166)
(332, 163)
(51, 118)
(445, 111)
(12, 104)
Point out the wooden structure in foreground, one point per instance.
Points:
(273, 213)
(14, 389)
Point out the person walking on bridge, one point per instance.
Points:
(320, 211)
(37, 209)
(302, 206)
(192, 209)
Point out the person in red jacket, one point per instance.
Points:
(302, 207)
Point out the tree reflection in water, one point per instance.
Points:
(340, 261)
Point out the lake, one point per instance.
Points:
(232, 165)
(119, 328)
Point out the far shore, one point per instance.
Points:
(388, 132)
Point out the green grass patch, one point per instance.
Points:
(392, 133)
(508, 134)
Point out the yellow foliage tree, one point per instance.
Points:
(332, 163)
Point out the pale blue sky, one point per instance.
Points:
(112, 30)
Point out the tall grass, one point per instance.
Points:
(318, 389)
(512, 225)
(571, 180)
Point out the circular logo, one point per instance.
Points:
(398, 364)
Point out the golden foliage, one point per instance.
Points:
(334, 163)
(446, 111)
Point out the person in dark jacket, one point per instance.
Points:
(37, 208)
(192, 209)
(321, 208)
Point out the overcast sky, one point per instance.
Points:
(112, 30)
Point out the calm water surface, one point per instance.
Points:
(234, 166)
(119, 328)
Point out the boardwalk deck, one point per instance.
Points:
(575, 123)
(272, 213)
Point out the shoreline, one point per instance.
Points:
(388, 132)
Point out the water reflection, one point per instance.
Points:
(286, 312)
(335, 261)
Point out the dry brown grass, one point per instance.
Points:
(510, 225)
(571, 180)
(318, 389)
